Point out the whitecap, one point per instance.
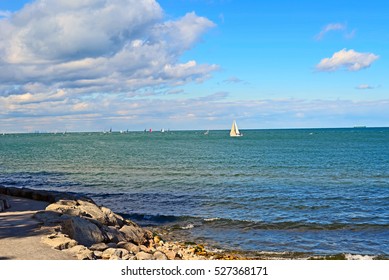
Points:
(189, 226)
(358, 257)
(211, 219)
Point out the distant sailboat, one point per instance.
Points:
(235, 131)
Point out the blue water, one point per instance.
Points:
(321, 191)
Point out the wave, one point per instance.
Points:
(223, 223)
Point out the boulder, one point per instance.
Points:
(146, 249)
(65, 207)
(144, 256)
(97, 254)
(171, 255)
(114, 253)
(135, 234)
(59, 241)
(112, 234)
(112, 219)
(83, 231)
(158, 255)
(91, 210)
(130, 247)
(50, 218)
(86, 255)
(81, 252)
(98, 247)
(112, 245)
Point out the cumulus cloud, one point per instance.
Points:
(97, 46)
(348, 59)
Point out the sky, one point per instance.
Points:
(92, 65)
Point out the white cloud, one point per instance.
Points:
(233, 80)
(365, 86)
(348, 59)
(5, 14)
(328, 28)
(215, 111)
(88, 47)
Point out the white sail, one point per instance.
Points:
(234, 130)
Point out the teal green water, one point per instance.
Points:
(322, 191)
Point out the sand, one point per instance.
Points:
(20, 233)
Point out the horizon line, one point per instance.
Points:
(182, 130)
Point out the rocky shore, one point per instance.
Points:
(77, 225)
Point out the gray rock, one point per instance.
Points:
(66, 202)
(98, 254)
(112, 245)
(171, 255)
(76, 249)
(2, 206)
(87, 209)
(91, 210)
(112, 234)
(86, 255)
(144, 256)
(81, 252)
(134, 234)
(146, 249)
(110, 252)
(83, 231)
(159, 256)
(59, 241)
(65, 207)
(132, 248)
(120, 244)
(129, 257)
(98, 247)
(112, 219)
(50, 218)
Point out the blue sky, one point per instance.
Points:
(192, 64)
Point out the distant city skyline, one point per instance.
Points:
(192, 64)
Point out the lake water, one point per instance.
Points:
(321, 191)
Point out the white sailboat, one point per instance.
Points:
(235, 131)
